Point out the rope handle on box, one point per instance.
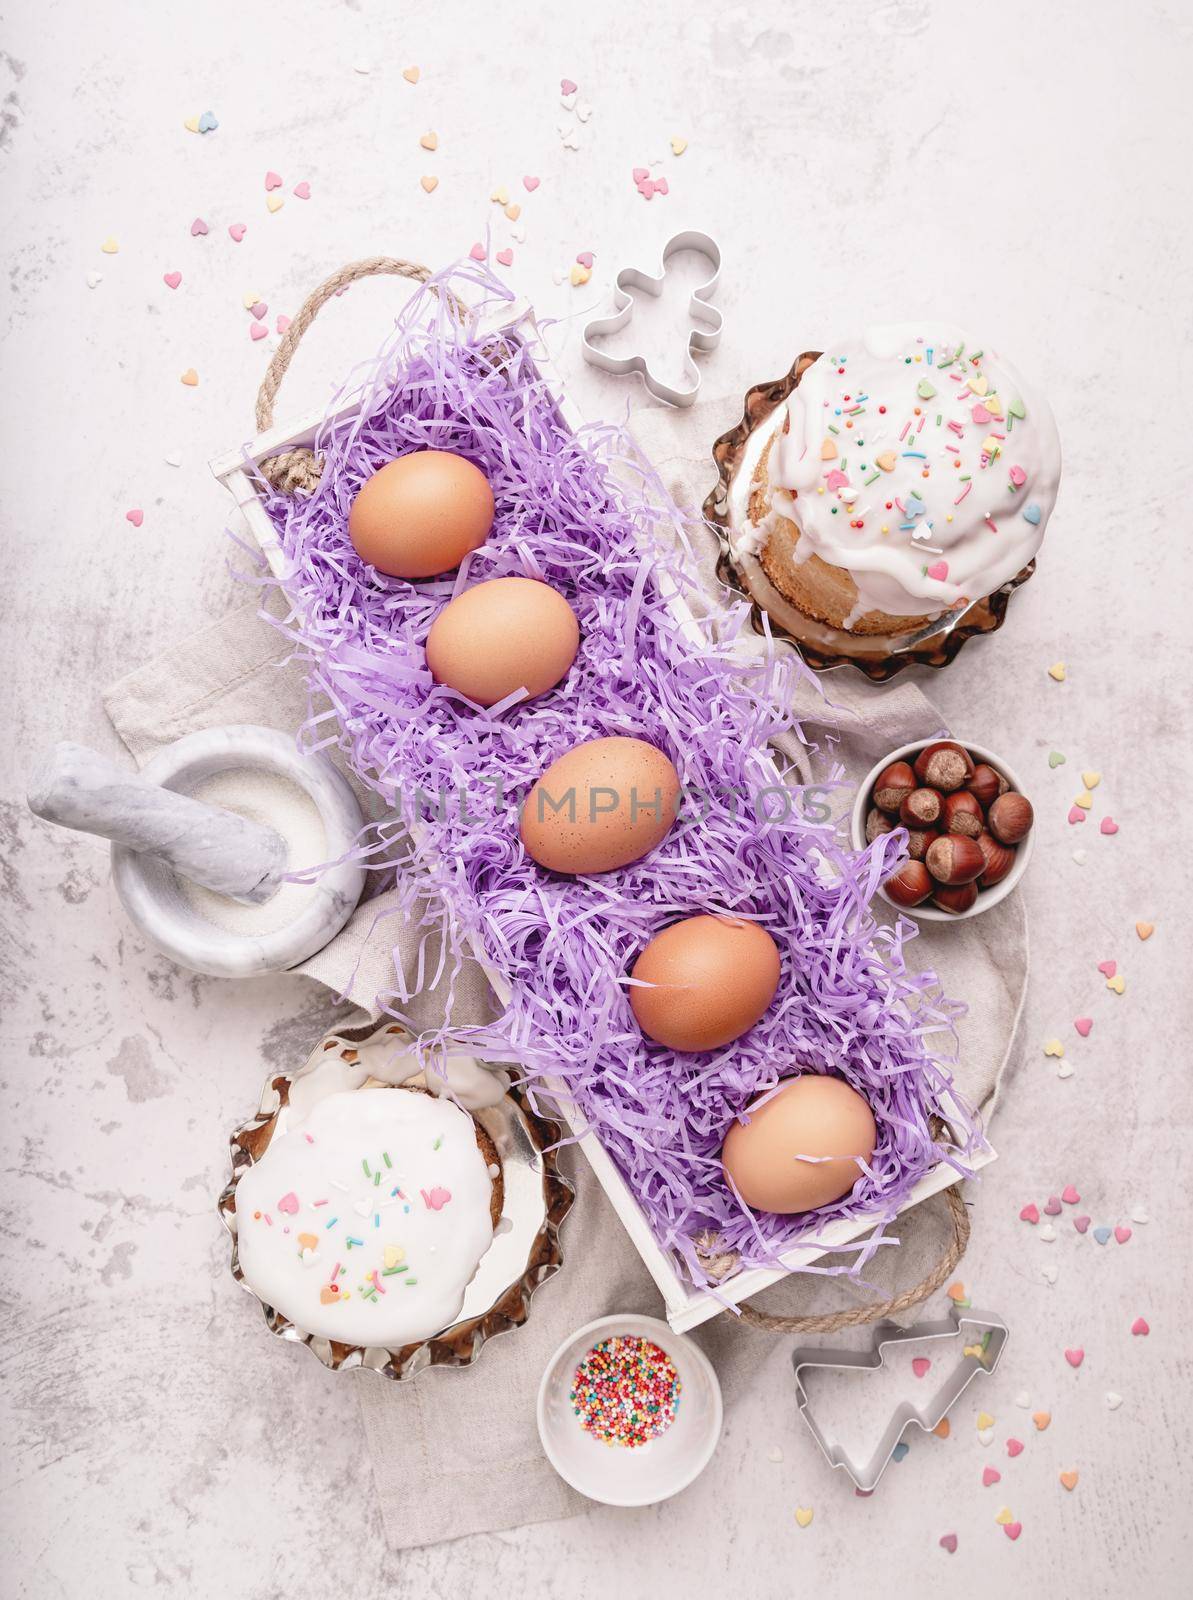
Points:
(720, 1266)
(301, 468)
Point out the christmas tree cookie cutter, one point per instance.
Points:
(701, 338)
(983, 1339)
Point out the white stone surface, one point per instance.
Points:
(1021, 168)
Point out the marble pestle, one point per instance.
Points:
(78, 788)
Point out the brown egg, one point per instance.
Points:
(421, 514)
(811, 1116)
(716, 976)
(603, 804)
(507, 634)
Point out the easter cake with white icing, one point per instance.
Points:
(909, 473)
(364, 1221)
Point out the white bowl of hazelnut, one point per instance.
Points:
(968, 824)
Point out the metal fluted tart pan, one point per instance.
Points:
(526, 1247)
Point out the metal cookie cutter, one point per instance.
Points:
(980, 1354)
(699, 339)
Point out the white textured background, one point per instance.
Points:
(1021, 168)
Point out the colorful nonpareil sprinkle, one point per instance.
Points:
(625, 1391)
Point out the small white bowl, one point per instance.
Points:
(614, 1474)
(986, 897)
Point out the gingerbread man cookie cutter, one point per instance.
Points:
(700, 339)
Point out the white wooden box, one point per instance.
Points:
(686, 1306)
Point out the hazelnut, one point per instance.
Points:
(894, 784)
(909, 885)
(920, 809)
(999, 859)
(986, 785)
(961, 813)
(1010, 817)
(918, 840)
(954, 859)
(877, 823)
(944, 765)
(958, 898)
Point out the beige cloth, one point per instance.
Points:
(458, 1452)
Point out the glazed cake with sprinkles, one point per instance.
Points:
(909, 473)
(365, 1221)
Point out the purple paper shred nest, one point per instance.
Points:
(587, 514)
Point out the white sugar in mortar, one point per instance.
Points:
(276, 802)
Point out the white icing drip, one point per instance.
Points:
(319, 1156)
(391, 1058)
(959, 502)
(746, 537)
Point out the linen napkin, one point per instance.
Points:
(456, 1452)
